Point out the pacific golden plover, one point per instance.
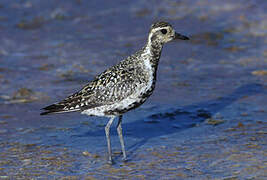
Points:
(122, 87)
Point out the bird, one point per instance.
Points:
(122, 87)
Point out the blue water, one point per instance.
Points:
(50, 49)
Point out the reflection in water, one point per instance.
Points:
(173, 120)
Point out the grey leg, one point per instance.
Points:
(119, 130)
(108, 139)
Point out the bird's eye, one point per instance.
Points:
(163, 31)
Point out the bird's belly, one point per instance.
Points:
(118, 108)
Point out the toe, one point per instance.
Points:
(124, 159)
(110, 162)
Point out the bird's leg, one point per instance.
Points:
(107, 128)
(119, 130)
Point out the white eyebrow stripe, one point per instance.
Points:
(153, 31)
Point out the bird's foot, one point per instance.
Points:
(110, 161)
(125, 159)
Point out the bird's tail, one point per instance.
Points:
(55, 108)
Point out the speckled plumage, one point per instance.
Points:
(124, 86)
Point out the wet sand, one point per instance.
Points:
(206, 119)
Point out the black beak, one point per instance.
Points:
(179, 36)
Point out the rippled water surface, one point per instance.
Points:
(206, 119)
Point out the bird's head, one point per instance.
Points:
(162, 32)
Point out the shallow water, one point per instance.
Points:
(206, 119)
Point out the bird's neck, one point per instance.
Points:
(153, 51)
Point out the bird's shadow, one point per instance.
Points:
(175, 119)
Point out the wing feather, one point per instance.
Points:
(109, 87)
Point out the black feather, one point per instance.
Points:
(54, 108)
